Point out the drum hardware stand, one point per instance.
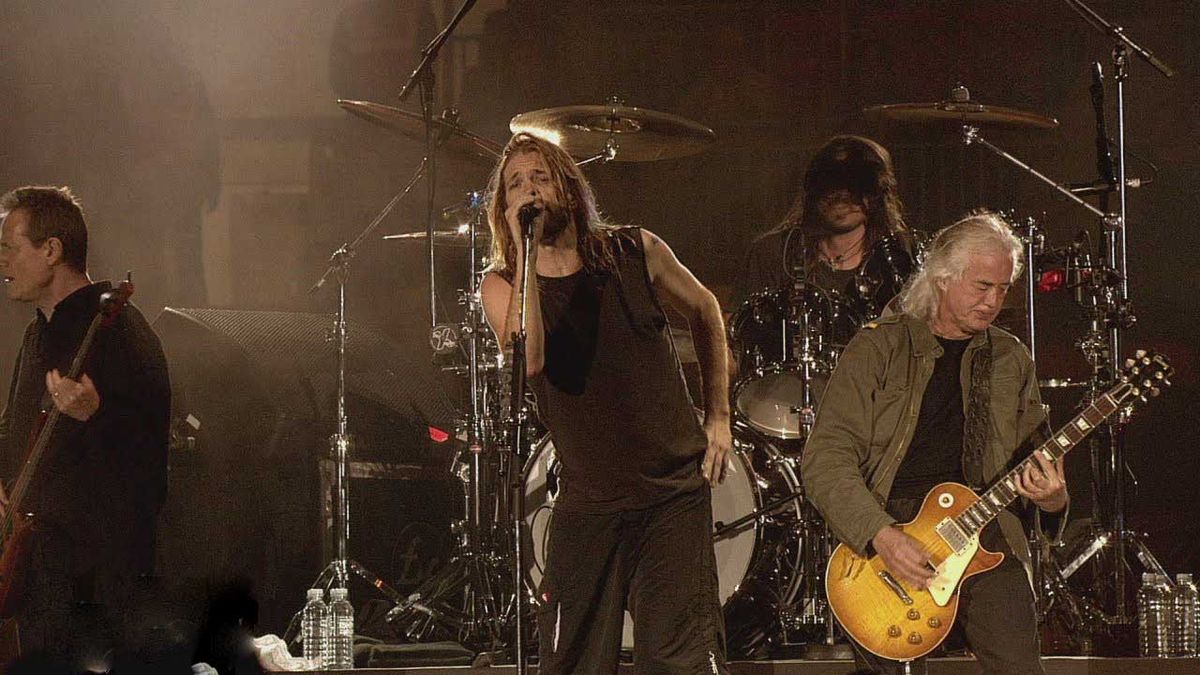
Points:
(463, 600)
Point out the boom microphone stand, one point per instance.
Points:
(1120, 539)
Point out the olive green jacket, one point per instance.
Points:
(869, 410)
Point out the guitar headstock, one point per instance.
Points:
(113, 302)
(1147, 373)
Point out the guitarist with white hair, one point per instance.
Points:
(933, 394)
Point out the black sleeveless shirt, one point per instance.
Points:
(612, 391)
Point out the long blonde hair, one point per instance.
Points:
(947, 256)
(595, 247)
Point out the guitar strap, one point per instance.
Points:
(979, 416)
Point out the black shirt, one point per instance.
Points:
(100, 483)
(935, 453)
(612, 391)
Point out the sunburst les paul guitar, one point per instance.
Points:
(895, 621)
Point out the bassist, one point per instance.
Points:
(932, 394)
(95, 494)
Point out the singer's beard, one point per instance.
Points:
(557, 220)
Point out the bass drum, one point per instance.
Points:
(758, 555)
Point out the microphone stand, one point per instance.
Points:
(518, 418)
(423, 77)
(1122, 541)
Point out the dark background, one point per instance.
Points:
(103, 99)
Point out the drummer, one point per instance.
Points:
(844, 232)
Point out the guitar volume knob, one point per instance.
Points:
(935, 622)
(914, 638)
(893, 631)
(913, 615)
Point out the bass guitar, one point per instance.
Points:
(16, 526)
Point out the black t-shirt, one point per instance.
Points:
(935, 454)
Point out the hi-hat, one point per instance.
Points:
(961, 109)
(448, 134)
(616, 132)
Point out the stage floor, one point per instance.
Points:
(1055, 665)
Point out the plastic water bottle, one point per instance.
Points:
(1185, 602)
(314, 629)
(1154, 616)
(342, 630)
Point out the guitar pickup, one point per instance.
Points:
(896, 587)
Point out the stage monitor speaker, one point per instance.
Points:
(253, 410)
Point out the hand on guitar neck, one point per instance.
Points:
(1044, 485)
(76, 399)
(903, 556)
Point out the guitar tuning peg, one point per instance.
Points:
(1135, 391)
(1140, 353)
(1147, 383)
(1129, 363)
(1154, 392)
(1159, 375)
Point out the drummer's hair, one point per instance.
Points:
(595, 245)
(946, 257)
(865, 168)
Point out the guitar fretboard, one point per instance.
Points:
(1004, 491)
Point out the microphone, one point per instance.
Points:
(1104, 160)
(526, 216)
(1102, 186)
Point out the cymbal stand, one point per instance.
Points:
(337, 571)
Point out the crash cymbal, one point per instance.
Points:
(451, 137)
(623, 133)
(456, 237)
(960, 108)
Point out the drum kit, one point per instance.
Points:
(771, 545)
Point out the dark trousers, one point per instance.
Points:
(995, 613)
(659, 563)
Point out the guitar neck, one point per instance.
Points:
(1004, 491)
(21, 486)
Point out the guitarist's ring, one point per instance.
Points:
(54, 394)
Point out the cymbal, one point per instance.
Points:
(963, 112)
(450, 136)
(639, 135)
(456, 237)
